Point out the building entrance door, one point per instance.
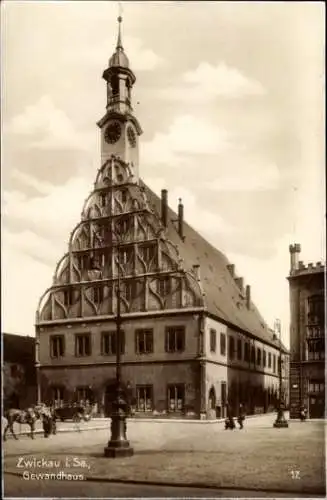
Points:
(317, 407)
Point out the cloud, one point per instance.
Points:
(34, 246)
(41, 186)
(141, 58)
(187, 135)
(56, 212)
(23, 282)
(207, 82)
(246, 177)
(206, 222)
(48, 127)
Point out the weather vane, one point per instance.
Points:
(120, 9)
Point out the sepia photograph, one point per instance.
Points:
(163, 288)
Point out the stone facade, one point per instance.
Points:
(133, 259)
(307, 334)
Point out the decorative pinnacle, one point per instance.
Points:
(119, 42)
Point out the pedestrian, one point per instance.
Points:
(229, 422)
(303, 413)
(53, 420)
(241, 416)
(47, 424)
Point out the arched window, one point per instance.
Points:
(114, 85)
(128, 87)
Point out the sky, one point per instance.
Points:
(230, 96)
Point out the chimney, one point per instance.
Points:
(231, 269)
(248, 296)
(181, 219)
(239, 282)
(164, 207)
(295, 253)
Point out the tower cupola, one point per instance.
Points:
(119, 58)
(120, 78)
(120, 129)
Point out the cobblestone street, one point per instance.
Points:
(259, 457)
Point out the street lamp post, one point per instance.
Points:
(280, 420)
(118, 446)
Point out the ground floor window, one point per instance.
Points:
(144, 398)
(58, 396)
(83, 395)
(176, 397)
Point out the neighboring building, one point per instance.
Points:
(18, 371)
(307, 336)
(192, 337)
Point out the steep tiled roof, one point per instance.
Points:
(222, 295)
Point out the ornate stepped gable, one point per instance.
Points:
(119, 235)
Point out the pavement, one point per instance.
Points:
(176, 460)
(104, 423)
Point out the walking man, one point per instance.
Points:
(241, 416)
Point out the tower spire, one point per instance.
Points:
(119, 42)
(120, 20)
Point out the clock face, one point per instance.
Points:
(113, 132)
(131, 136)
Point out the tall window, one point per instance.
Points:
(316, 349)
(246, 352)
(176, 397)
(108, 343)
(148, 252)
(269, 359)
(125, 255)
(124, 225)
(83, 395)
(316, 386)
(144, 398)
(144, 341)
(316, 309)
(103, 199)
(239, 349)
(231, 347)
(128, 290)
(163, 285)
(83, 261)
(57, 346)
(259, 356)
(97, 294)
(213, 340)
(58, 396)
(264, 358)
(68, 297)
(274, 363)
(253, 354)
(82, 344)
(123, 195)
(175, 339)
(223, 344)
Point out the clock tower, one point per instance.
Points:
(120, 130)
